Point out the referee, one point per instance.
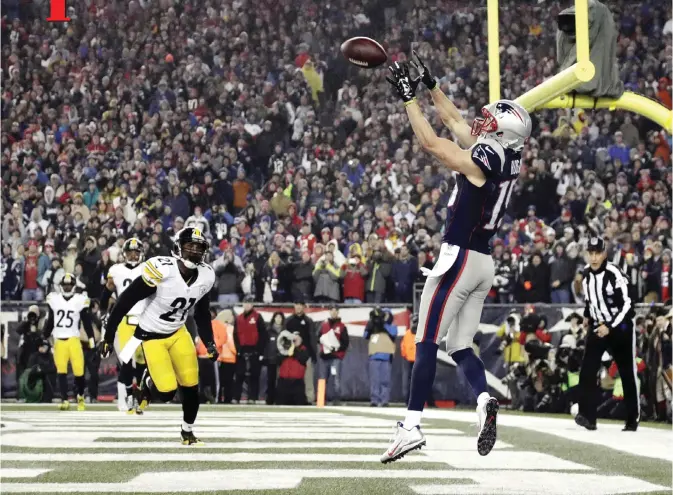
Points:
(609, 315)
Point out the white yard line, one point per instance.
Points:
(536, 483)
(461, 460)
(22, 472)
(484, 481)
(77, 440)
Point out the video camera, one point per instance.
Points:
(377, 320)
(285, 343)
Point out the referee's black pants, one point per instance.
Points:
(620, 342)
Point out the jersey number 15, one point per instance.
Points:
(498, 211)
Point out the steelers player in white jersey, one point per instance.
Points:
(119, 278)
(169, 288)
(66, 310)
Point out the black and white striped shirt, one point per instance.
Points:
(606, 292)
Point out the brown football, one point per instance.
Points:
(364, 52)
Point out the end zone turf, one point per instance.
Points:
(261, 450)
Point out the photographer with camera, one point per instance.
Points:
(567, 371)
(36, 383)
(301, 324)
(332, 346)
(656, 351)
(290, 389)
(514, 356)
(30, 339)
(381, 333)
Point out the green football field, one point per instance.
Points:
(277, 450)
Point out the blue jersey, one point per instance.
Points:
(475, 213)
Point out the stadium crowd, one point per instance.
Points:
(302, 170)
(242, 118)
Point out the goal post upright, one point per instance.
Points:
(555, 92)
(493, 21)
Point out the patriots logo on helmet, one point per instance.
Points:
(502, 107)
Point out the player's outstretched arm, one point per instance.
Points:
(451, 118)
(447, 110)
(448, 152)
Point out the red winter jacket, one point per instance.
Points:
(249, 330)
(354, 281)
(294, 367)
(341, 334)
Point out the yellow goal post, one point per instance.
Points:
(556, 92)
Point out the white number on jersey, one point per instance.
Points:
(506, 189)
(66, 314)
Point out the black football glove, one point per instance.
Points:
(104, 349)
(212, 351)
(427, 78)
(402, 81)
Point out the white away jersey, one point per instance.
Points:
(66, 313)
(122, 276)
(166, 311)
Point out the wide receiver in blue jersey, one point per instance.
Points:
(454, 292)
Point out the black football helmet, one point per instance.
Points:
(67, 285)
(133, 251)
(190, 246)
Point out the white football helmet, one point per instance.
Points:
(505, 121)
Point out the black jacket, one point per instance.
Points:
(303, 325)
(302, 280)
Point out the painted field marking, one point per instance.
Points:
(535, 483)
(22, 472)
(487, 481)
(70, 440)
(196, 457)
(649, 442)
(519, 460)
(461, 460)
(173, 432)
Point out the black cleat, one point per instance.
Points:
(630, 427)
(585, 423)
(488, 417)
(188, 438)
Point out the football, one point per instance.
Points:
(364, 52)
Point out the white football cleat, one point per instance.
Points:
(403, 442)
(487, 411)
(122, 405)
